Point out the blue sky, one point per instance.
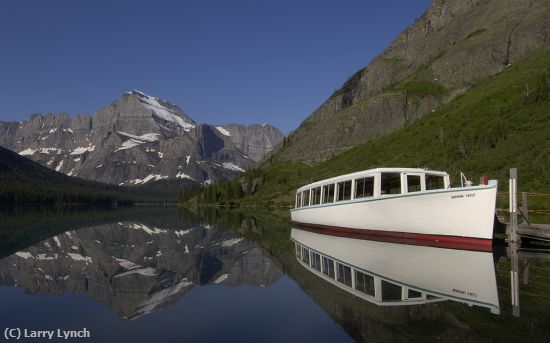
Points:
(220, 61)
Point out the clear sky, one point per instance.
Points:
(220, 61)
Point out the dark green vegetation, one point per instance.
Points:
(476, 33)
(502, 122)
(24, 181)
(419, 88)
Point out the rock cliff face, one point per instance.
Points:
(136, 268)
(452, 46)
(256, 141)
(135, 140)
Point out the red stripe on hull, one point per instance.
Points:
(439, 241)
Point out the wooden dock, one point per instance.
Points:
(527, 230)
(527, 254)
(540, 232)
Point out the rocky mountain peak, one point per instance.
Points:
(137, 139)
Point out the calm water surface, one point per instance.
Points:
(162, 274)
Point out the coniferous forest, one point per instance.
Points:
(24, 181)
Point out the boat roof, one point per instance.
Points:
(371, 171)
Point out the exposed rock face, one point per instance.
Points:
(453, 46)
(135, 268)
(137, 139)
(256, 141)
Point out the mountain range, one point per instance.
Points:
(138, 139)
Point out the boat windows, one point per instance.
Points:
(305, 198)
(390, 291)
(364, 283)
(434, 182)
(364, 187)
(344, 190)
(298, 251)
(390, 183)
(316, 261)
(412, 294)
(298, 199)
(316, 196)
(344, 274)
(413, 183)
(328, 193)
(328, 267)
(305, 255)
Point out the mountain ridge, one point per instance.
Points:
(451, 47)
(137, 139)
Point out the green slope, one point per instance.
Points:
(502, 122)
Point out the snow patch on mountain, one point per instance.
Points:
(158, 298)
(147, 229)
(127, 264)
(162, 112)
(47, 151)
(221, 278)
(154, 177)
(24, 254)
(81, 150)
(223, 131)
(78, 257)
(230, 242)
(182, 175)
(148, 137)
(145, 271)
(27, 152)
(231, 166)
(182, 232)
(136, 140)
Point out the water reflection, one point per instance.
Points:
(137, 268)
(137, 262)
(389, 274)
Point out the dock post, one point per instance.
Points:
(514, 278)
(513, 206)
(524, 208)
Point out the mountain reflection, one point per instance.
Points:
(135, 268)
(389, 274)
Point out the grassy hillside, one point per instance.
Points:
(502, 122)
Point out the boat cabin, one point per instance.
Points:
(380, 182)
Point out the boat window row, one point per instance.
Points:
(364, 187)
(355, 279)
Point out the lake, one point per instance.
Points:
(143, 274)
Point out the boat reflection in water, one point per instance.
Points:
(390, 274)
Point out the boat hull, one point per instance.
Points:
(457, 214)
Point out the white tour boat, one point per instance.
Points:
(411, 204)
(388, 274)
